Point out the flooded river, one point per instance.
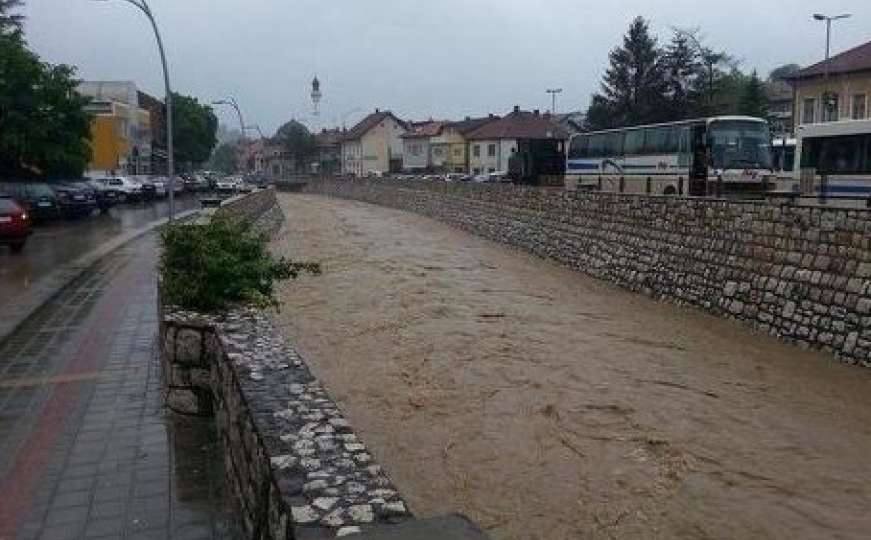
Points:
(547, 405)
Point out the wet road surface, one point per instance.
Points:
(548, 405)
(86, 448)
(63, 241)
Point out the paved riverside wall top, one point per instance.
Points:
(801, 274)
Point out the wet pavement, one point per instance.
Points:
(548, 405)
(86, 447)
(60, 242)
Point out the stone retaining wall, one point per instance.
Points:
(801, 274)
(294, 465)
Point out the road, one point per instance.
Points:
(548, 405)
(64, 241)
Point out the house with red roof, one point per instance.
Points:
(529, 141)
(835, 89)
(417, 153)
(374, 145)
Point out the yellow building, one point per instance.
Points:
(120, 129)
(374, 145)
(833, 90)
(450, 149)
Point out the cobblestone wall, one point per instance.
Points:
(258, 207)
(801, 274)
(292, 461)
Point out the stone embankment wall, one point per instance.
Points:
(292, 461)
(801, 274)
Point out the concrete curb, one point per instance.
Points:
(46, 288)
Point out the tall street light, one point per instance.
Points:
(231, 102)
(829, 102)
(553, 92)
(142, 5)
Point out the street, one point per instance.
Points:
(86, 447)
(61, 242)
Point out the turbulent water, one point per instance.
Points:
(547, 405)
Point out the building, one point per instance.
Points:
(121, 130)
(572, 122)
(531, 143)
(834, 90)
(252, 156)
(329, 151)
(157, 115)
(450, 149)
(780, 104)
(374, 145)
(417, 152)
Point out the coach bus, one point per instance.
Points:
(709, 156)
(833, 159)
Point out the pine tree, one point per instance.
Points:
(634, 87)
(684, 75)
(753, 101)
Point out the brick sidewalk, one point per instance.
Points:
(86, 448)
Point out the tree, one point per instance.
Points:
(634, 87)
(194, 128)
(754, 101)
(298, 142)
(717, 67)
(10, 23)
(684, 76)
(44, 129)
(226, 158)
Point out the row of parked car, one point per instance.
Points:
(24, 203)
(482, 178)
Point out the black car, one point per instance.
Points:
(75, 200)
(105, 195)
(37, 198)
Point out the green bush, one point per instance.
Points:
(216, 266)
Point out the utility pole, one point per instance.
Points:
(553, 92)
(827, 97)
(231, 102)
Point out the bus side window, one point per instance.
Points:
(788, 158)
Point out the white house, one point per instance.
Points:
(374, 145)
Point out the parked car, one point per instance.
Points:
(160, 184)
(37, 199)
(229, 184)
(106, 196)
(178, 185)
(128, 190)
(74, 200)
(14, 224)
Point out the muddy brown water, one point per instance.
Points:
(546, 405)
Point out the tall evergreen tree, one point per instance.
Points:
(634, 87)
(754, 101)
(683, 73)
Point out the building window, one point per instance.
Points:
(830, 104)
(476, 150)
(458, 152)
(808, 111)
(859, 109)
(437, 152)
(491, 150)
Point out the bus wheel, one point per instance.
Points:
(670, 190)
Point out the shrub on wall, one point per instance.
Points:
(216, 266)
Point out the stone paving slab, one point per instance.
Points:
(86, 447)
(19, 308)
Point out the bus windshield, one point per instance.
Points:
(739, 144)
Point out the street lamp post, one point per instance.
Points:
(142, 5)
(820, 17)
(553, 92)
(231, 102)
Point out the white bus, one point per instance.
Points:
(783, 160)
(708, 156)
(833, 159)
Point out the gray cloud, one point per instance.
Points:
(443, 59)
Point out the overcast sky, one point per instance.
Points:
(420, 58)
